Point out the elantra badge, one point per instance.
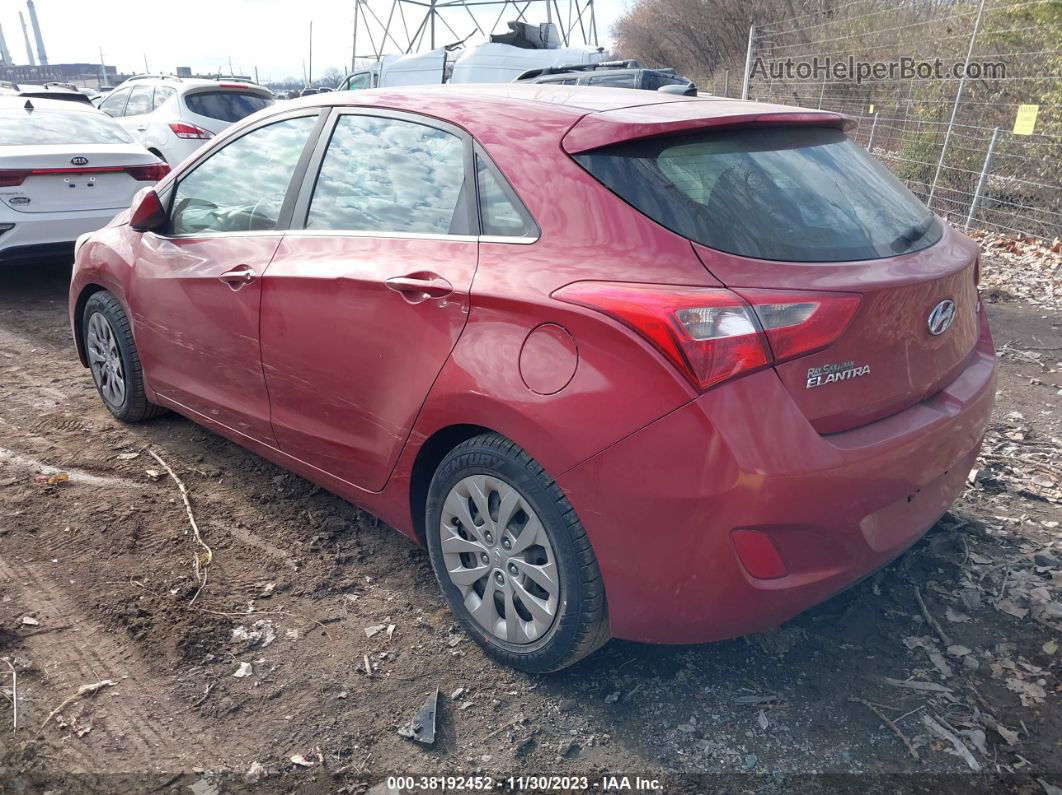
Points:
(941, 317)
(838, 371)
(79, 160)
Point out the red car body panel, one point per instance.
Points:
(343, 380)
(348, 361)
(197, 336)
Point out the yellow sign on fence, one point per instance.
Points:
(1025, 121)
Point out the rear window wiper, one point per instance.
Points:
(913, 233)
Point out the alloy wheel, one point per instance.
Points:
(105, 360)
(499, 555)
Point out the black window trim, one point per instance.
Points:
(467, 196)
(297, 177)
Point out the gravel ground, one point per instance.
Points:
(943, 663)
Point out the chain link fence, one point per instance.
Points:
(946, 124)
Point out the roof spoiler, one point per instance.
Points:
(684, 116)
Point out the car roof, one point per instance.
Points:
(590, 115)
(15, 102)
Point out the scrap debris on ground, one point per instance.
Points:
(319, 630)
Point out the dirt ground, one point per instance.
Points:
(96, 583)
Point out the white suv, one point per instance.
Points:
(173, 116)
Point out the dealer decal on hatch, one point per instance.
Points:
(838, 371)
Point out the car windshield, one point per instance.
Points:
(50, 127)
(802, 194)
(225, 105)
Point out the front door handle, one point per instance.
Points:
(238, 276)
(420, 286)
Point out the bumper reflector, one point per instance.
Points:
(758, 554)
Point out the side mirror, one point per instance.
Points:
(148, 214)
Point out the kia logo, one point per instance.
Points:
(79, 161)
(941, 317)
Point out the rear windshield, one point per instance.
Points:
(225, 105)
(24, 128)
(802, 194)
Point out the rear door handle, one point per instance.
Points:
(420, 286)
(238, 276)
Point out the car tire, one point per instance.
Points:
(523, 580)
(113, 359)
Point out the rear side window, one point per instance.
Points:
(242, 186)
(500, 213)
(139, 101)
(390, 175)
(162, 93)
(49, 127)
(617, 81)
(225, 105)
(802, 194)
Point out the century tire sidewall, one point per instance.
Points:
(569, 602)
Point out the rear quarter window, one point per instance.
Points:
(800, 194)
(227, 106)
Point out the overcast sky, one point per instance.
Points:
(204, 34)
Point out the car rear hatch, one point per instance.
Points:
(215, 107)
(782, 208)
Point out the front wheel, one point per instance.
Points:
(113, 359)
(512, 558)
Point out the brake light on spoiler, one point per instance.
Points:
(711, 334)
(152, 172)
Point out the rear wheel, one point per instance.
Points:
(512, 558)
(113, 359)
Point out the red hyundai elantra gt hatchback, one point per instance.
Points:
(630, 365)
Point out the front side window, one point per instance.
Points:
(360, 80)
(139, 101)
(114, 105)
(389, 175)
(241, 187)
(801, 194)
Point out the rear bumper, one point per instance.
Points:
(660, 505)
(37, 236)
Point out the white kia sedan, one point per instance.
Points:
(65, 169)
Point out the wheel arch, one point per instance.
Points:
(86, 293)
(428, 458)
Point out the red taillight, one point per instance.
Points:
(183, 129)
(797, 324)
(758, 554)
(149, 173)
(712, 334)
(12, 177)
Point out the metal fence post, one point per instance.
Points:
(748, 62)
(873, 129)
(958, 97)
(981, 179)
(726, 83)
(822, 93)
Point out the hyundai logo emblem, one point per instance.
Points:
(941, 317)
(79, 160)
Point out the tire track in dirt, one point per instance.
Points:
(136, 725)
